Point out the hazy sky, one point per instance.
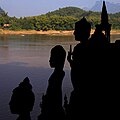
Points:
(21, 8)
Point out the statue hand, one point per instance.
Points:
(69, 54)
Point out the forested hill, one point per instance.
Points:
(77, 13)
(93, 17)
(68, 11)
(61, 19)
(72, 11)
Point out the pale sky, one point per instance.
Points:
(21, 8)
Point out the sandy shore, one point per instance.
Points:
(50, 32)
(24, 32)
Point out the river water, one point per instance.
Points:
(27, 56)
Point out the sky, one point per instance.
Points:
(22, 8)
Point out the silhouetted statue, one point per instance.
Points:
(22, 100)
(105, 22)
(94, 95)
(51, 106)
(98, 40)
(77, 58)
(117, 44)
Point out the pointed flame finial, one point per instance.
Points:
(104, 16)
(104, 22)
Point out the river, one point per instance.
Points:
(27, 56)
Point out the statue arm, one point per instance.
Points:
(69, 57)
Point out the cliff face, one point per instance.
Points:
(111, 6)
(1, 11)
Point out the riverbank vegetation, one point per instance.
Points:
(60, 20)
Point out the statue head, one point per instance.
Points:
(82, 30)
(57, 57)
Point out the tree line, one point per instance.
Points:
(62, 19)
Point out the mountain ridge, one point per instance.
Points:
(111, 7)
(1, 11)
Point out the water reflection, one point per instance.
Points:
(31, 49)
(115, 37)
(22, 56)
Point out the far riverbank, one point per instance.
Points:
(50, 32)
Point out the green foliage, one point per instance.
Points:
(62, 19)
(68, 11)
(115, 20)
